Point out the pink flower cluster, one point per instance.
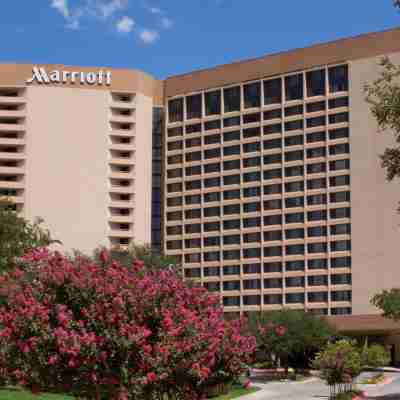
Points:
(112, 331)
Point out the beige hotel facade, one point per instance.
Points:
(262, 177)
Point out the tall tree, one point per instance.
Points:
(17, 236)
(388, 301)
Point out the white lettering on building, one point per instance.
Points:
(40, 75)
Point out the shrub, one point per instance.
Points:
(107, 331)
(375, 356)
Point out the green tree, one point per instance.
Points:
(17, 235)
(375, 356)
(388, 301)
(293, 336)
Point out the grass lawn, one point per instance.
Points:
(17, 394)
(235, 393)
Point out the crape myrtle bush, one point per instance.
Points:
(106, 331)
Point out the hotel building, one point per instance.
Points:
(262, 177)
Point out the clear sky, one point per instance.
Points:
(171, 37)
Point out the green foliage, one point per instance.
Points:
(375, 356)
(388, 301)
(339, 363)
(17, 236)
(300, 336)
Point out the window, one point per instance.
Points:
(273, 219)
(251, 222)
(252, 95)
(195, 156)
(339, 102)
(174, 245)
(212, 212)
(295, 249)
(192, 142)
(251, 132)
(315, 107)
(192, 243)
(271, 129)
(212, 153)
(232, 224)
(251, 162)
(294, 281)
(174, 173)
(296, 265)
(273, 189)
(294, 140)
(272, 144)
(213, 196)
(232, 209)
(294, 87)
(177, 159)
(294, 110)
(212, 139)
(194, 199)
(192, 258)
(341, 180)
(341, 279)
(231, 194)
(273, 159)
(338, 133)
(317, 297)
(211, 256)
(231, 239)
(294, 171)
(275, 204)
(209, 168)
(231, 255)
(174, 187)
(251, 147)
(340, 213)
(272, 114)
(293, 125)
(229, 136)
(271, 236)
(215, 124)
(338, 79)
(253, 300)
(193, 273)
(251, 284)
(175, 110)
(316, 183)
(294, 233)
(272, 299)
(175, 145)
(316, 152)
(195, 170)
(317, 231)
(273, 91)
(193, 228)
(193, 185)
(317, 248)
(232, 285)
(318, 280)
(275, 251)
(341, 311)
(252, 192)
(193, 106)
(232, 180)
(174, 230)
(316, 137)
(212, 286)
(273, 283)
(341, 295)
(315, 83)
(294, 202)
(273, 174)
(339, 165)
(178, 131)
(211, 241)
(294, 187)
(294, 218)
(231, 301)
(318, 215)
(195, 128)
(319, 263)
(339, 197)
(251, 118)
(341, 245)
(213, 102)
(232, 164)
(316, 121)
(272, 267)
(251, 207)
(294, 156)
(316, 199)
(212, 182)
(212, 226)
(341, 262)
(232, 99)
(316, 168)
(231, 269)
(232, 121)
(338, 118)
(231, 150)
(192, 214)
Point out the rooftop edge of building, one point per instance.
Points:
(351, 48)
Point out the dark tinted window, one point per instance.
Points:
(232, 99)
(193, 128)
(316, 137)
(252, 95)
(232, 121)
(338, 79)
(272, 114)
(319, 263)
(175, 110)
(270, 129)
(193, 106)
(294, 87)
(231, 164)
(229, 136)
(339, 102)
(293, 140)
(213, 102)
(231, 194)
(216, 124)
(272, 91)
(314, 107)
(293, 110)
(315, 83)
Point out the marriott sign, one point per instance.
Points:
(40, 75)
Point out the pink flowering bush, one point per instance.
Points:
(107, 331)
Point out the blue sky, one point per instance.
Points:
(171, 37)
